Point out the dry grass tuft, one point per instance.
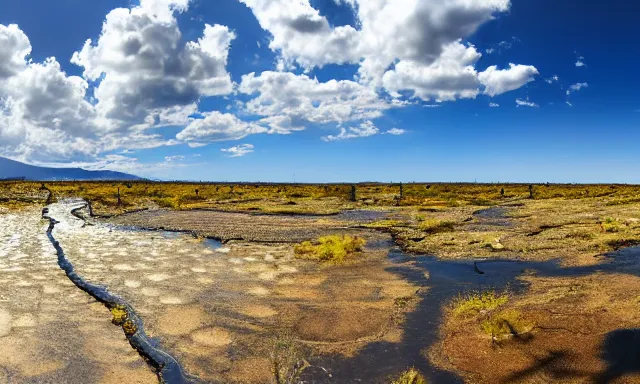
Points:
(120, 314)
(436, 226)
(506, 324)
(410, 376)
(330, 249)
(475, 303)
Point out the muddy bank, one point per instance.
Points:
(241, 226)
(226, 310)
(576, 319)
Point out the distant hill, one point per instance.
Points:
(10, 169)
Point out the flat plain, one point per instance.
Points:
(366, 283)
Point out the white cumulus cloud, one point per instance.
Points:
(395, 132)
(239, 150)
(288, 102)
(365, 129)
(498, 81)
(400, 44)
(216, 126)
(526, 103)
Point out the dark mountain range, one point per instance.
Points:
(10, 169)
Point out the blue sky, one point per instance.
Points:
(341, 90)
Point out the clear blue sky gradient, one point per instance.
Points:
(595, 140)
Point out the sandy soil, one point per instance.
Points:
(239, 226)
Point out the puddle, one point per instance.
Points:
(494, 216)
(361, 215)
(212, 244)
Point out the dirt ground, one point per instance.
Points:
(585, 330)
(240, 226)
(220, 309)
(234, 312)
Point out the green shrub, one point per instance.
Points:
(411, 376)
(330, 249)
(436, 226)
(506, 324)
(609, 224)
(475, 303)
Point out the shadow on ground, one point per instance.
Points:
(380, 361)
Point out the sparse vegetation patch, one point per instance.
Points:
(330, 249)
(506, 324)
(410, 376)
(475, 303)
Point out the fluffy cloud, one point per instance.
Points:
(145, 69)
(43, 112)
(526, 103)
(494, 105)
(139, 74)
(238, 150)
(497, 81)
(580, 62)
(450, 77)
(365, 129)
(390, 30)
(302, 35)
(395, 132)
(216, 126)
(289, 102)
(401, 45)
(14, 47)
(576, 87)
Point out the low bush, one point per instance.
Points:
(410, 376)
(330, 249)
(609, 224)
(506, 324)
(436, 226)
(475, 303)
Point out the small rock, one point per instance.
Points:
(497, 246)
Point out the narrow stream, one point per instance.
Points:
(166, 367)
(379, 361)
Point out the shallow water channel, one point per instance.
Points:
(373, 363)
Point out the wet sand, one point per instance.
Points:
(220, 309)
(49, 330)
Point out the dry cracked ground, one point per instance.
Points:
(238, 311)
(228, 312)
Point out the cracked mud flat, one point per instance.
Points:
(248, 227)
(51, 332)
(220, 309)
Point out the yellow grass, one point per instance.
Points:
(330, 249)
(411, 376)
(475, 303)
